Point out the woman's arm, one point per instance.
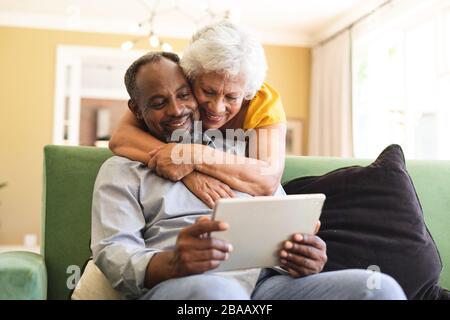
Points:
(258, 175)
(130, 140)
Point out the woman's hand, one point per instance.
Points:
(206, 188)
(304, 254)
(161, 162)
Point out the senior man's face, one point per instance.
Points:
(165, 101)
(219, 97)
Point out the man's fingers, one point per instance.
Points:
(310, 239)
(318, 224)
(293, 273)
(202, 227)
(301, 262)
(202, 266)
(299, 270)
(303, 250)
(314, 241)
(203, 218)
(212, 254)
(207, 243)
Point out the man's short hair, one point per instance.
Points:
(151, 57)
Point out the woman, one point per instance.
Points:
(226, 67)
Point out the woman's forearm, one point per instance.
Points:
(252, 176)
(258, 175)
(130, 140)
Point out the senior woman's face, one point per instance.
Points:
(219, 97)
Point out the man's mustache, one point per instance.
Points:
(171, 119)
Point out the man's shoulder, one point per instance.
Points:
(116, 167)
(116, 161)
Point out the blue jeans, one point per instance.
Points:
(352, 284)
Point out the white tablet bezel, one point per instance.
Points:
(259, 225)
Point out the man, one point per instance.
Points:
(149, 233)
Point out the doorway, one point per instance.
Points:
(90, 96)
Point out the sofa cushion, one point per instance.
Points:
(372, 218)
(93, 285)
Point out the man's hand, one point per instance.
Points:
(196, 252)
(161, 163)
(206, 188)
(304, 254)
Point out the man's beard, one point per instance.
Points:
(181, 135)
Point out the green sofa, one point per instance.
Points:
(69, 175)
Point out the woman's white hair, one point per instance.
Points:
(225, 48)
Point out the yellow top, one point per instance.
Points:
(265, 109)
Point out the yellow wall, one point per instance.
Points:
(27, 75)
(289, 72)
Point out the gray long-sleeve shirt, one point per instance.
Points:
(135, 214)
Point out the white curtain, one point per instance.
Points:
(330, 132)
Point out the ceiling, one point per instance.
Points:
(289, 22)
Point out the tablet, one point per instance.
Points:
(259, 226)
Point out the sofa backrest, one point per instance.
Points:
(69, 176)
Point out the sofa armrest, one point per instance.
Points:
(23, 276)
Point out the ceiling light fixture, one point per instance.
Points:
(156, 42)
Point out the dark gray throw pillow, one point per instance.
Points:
(372, 217)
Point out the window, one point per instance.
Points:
(401, 80)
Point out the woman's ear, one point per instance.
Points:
(135, 109)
